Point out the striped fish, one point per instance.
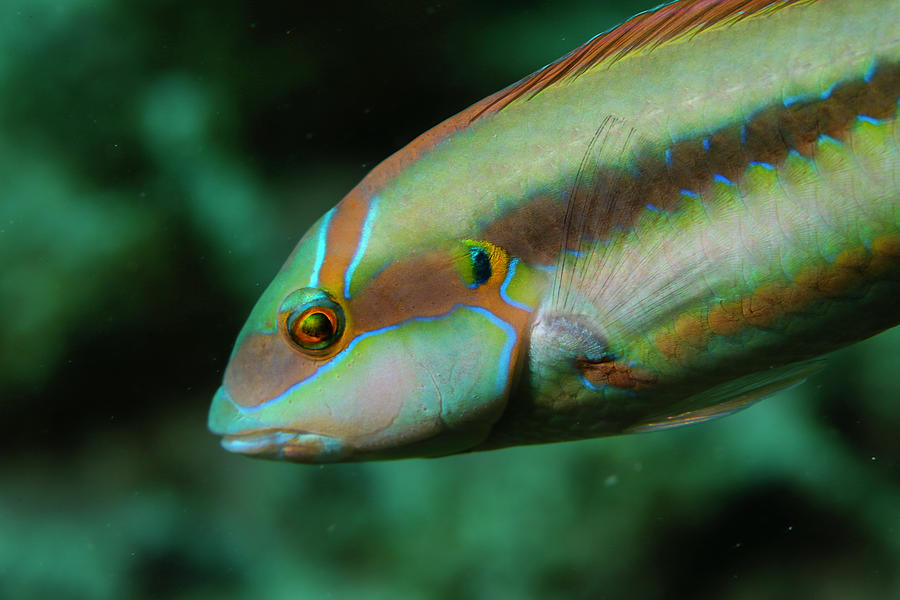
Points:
(672, 221)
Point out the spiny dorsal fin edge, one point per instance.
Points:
(646, 30)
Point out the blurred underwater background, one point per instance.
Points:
(160, 160)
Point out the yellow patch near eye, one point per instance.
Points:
(479, 261)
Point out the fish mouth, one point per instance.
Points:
(295, 446)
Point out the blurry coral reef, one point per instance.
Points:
(160, 159)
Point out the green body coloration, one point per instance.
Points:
(657, 236)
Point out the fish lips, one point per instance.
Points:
(295, 446)
(242, 434)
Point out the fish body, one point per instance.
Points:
(670, 222)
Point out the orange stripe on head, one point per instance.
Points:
(345, 242)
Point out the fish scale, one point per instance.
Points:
(674, 220)
(784, 255)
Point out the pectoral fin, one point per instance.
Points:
(731, 397)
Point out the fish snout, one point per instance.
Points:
(242, 434)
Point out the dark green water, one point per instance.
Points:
(158, 162)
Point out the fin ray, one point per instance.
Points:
(732, 397)
(649, 29)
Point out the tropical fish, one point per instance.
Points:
(674, 220)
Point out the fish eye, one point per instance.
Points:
(310, 320)
(313, 327)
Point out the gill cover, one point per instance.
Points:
(347, 359)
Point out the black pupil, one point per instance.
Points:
(481, 265)
(317, 326)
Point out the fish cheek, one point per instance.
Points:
(464, 361)
(262, 367)
(366, 397)
(442, 378)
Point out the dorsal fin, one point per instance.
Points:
(646, 30)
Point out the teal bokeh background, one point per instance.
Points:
(159, 160)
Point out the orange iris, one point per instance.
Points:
(314, 328)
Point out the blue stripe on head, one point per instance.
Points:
(361, 245)
(337, 359)
(506, 354)
(510, 273)
(321, 244)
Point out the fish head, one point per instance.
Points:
(369, 345)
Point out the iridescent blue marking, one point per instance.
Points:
(870, 73)
(743, 134)
(690, 193)
(343, 354)
(607, 390)
(764, 165)
(510, 273)
(827, 93)
(790, 100)
(337, 359)
(320, 249)
(706, 144)
(505, 354)
(796, 155)
(722, 179)
(668, 157)
(575, 253)
(654, 208)
(870, 120)
(589, 385)
(827, 139)
(361, 245)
